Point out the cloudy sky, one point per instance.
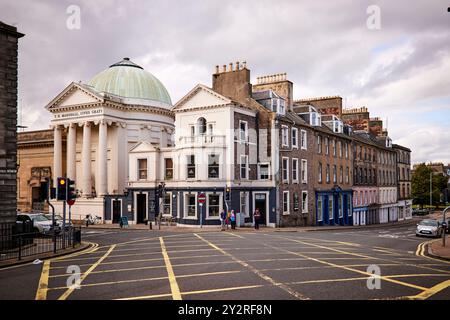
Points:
(400, 71)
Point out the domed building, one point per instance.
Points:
(102, 120)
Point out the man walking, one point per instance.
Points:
(257, 216)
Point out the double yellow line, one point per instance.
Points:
(421, 251)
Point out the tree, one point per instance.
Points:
(420, 185)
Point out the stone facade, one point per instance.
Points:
(8, 122)
(365, 190)
(332, 167)
(325, 105)
(35, 159)
(296, 193)
(358, 118)
(403, 181)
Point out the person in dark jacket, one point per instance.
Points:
(257, 217)
(223, 218)
(233, 220)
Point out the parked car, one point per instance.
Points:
(41, 223)
(420, 212)
(59, 220)
(429, 227)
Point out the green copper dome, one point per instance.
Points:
(128, 80)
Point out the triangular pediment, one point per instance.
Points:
(143, 146)
(75, 94)
(201, 96)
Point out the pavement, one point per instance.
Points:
(371, 263)
(43, 256)
(436, 249)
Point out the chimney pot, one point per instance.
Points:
(237, 65)
(217, 69)
(224, 68)
(231, 66)
(245, 64)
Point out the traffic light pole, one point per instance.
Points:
(64, 225)
(53, 223)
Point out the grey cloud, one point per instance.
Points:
(323, 46)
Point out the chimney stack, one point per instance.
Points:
(233, 82)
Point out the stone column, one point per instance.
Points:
(57, 154)
(71, 151)
(102, 158)
(86, 160)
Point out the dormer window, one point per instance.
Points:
(281, 107)
(275, 104)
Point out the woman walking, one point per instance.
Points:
(233, 220)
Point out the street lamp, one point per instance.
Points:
(431, 193)
(444, 225)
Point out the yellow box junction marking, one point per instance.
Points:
(66, 294)
(347, 268)
(256, 271)
(176, 295)
(431, 291)
(41, 293)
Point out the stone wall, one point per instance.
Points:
(8, 122)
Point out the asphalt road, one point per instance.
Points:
(237, 266)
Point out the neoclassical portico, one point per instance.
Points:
(103, 120)
(91, 153)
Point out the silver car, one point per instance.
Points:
(41, 223)
(429, 228)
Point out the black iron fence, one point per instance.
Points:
(15, 244)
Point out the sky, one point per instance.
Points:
(391, 56)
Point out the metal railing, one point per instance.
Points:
(15, 246)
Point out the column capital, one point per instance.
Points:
(56, 126)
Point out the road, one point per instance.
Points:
(262, 264)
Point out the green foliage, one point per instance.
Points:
(420, 185)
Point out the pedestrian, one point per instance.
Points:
(233, 220)
(257, 216)
(227, 220)
(223, 218)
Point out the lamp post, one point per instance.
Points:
(431, 192)
(444, 225)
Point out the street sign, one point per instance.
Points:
(71, 202)
(201, 198)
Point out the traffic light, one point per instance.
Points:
(52, 193)
(61, 188)
(227, 194)
(71, 193)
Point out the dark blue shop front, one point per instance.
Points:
(334, 207)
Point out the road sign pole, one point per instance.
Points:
(201, 215)
(201, 201)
